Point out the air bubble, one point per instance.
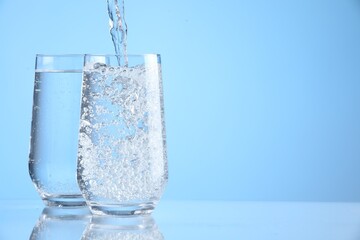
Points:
(99, 65)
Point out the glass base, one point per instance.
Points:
(68, 213)
(65, 201)
(120, 223)
(122, 209)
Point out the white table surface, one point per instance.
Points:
(202, 220)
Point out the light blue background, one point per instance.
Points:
(262, 98)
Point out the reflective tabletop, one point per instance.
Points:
(187, 220)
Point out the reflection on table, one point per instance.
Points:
(178, 220)
(57, 223)
(78, 223)
(122, 228)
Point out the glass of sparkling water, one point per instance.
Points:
(54, 129)
(122, 164)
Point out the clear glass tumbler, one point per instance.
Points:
(122, 163)
(55, 128)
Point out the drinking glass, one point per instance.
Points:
(54, 129)
(122, 163)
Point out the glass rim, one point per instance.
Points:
(121, 55)
(60, 55)
(96, 55)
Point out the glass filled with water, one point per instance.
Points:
(122, 163)
(54, 129)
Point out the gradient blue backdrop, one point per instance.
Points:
(262, 97)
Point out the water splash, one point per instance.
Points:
(118, 28)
